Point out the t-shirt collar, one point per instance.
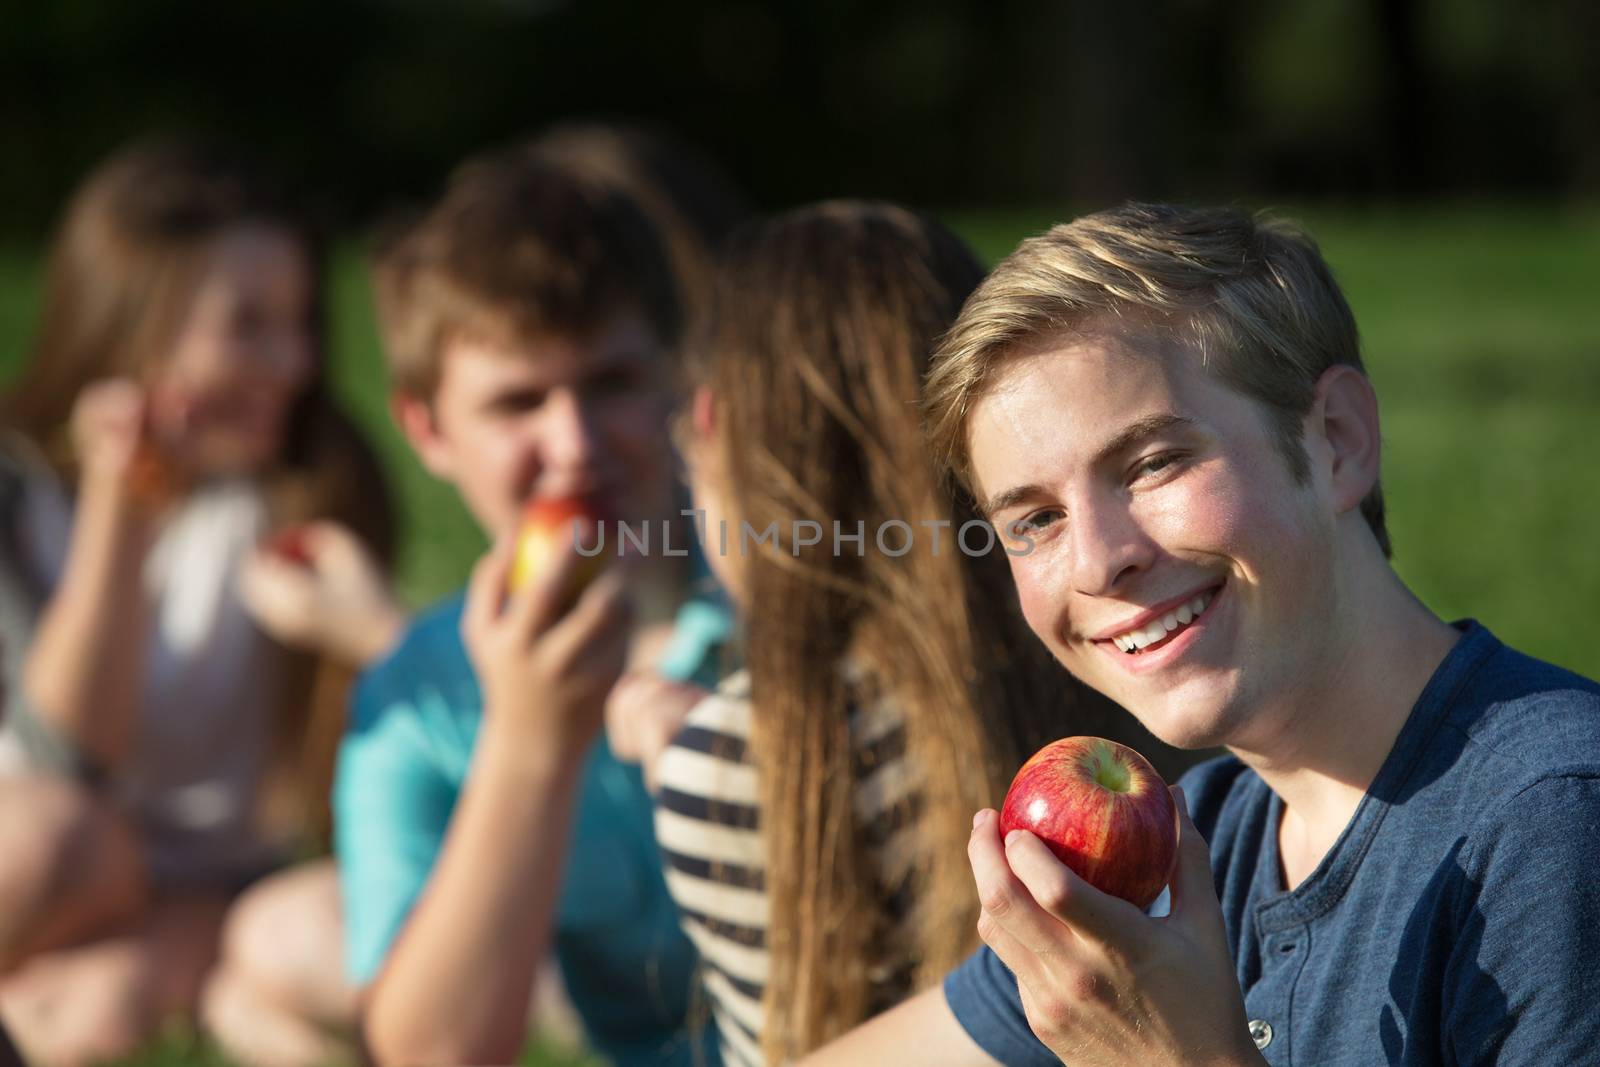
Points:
(1326, 885)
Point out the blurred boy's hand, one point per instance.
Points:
(545, 673)
(328, 594)
(643, 715)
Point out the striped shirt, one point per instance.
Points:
(708, 823)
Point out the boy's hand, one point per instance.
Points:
(1101, 982)
(644, 714)
(545, 674)
(320, 589)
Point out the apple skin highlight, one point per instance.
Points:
(1104, 812)
(547, 528)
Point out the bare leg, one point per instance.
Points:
(100, 1000)
(74, 868)
(280, 997)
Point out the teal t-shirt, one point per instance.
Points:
(628, 966)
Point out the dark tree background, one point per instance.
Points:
(939, 102)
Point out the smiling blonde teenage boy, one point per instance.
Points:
(1170, 404)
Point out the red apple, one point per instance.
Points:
(1103, 810)
(154, 477)
(289, 545)
(548, 528)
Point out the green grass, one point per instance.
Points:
(180, 1047)
(1480, 330)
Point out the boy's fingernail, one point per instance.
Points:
(1012, 836)
(977, 819)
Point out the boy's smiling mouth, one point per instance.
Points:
(1154, 629)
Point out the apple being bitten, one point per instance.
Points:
(1104, 812)
(549, 526)
(153, 477)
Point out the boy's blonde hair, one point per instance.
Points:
(1251, 296)
(518, 246)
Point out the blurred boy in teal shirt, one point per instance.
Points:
(480, 821)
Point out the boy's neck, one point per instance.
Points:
(1321, 747)
(659, 587)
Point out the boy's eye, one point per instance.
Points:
(515, 403)
(1155, 464)
(1037, 520)
(248, 322)
(611, 383)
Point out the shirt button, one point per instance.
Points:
(1261, 1032)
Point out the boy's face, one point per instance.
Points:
(1146, 485)
(550, 416)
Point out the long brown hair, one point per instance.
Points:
(127, 259)
(815, 349)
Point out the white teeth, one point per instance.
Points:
(1158, 629)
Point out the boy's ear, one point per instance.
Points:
(415, 418)
(1345, 417)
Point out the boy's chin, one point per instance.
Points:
(1188, 727)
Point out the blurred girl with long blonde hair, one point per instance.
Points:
(813, 812)
(189, 534)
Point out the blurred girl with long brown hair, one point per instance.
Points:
(813, 812)
(188, 532)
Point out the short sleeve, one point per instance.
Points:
(983, 996)
(1524, 976)
(700, 632)
(392, 805)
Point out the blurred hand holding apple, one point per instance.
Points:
(315, 586)
(547, 631)
(117, 455)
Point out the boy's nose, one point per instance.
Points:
(570, 437)
(1108, 548)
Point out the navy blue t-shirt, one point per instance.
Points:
(1455, 921)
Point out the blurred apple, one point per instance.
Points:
(1103, 810)
(289, 545)
(153, 477)
(549, 527)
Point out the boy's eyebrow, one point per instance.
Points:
(1135, 432)
(1123, 440)
(1015, 495)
